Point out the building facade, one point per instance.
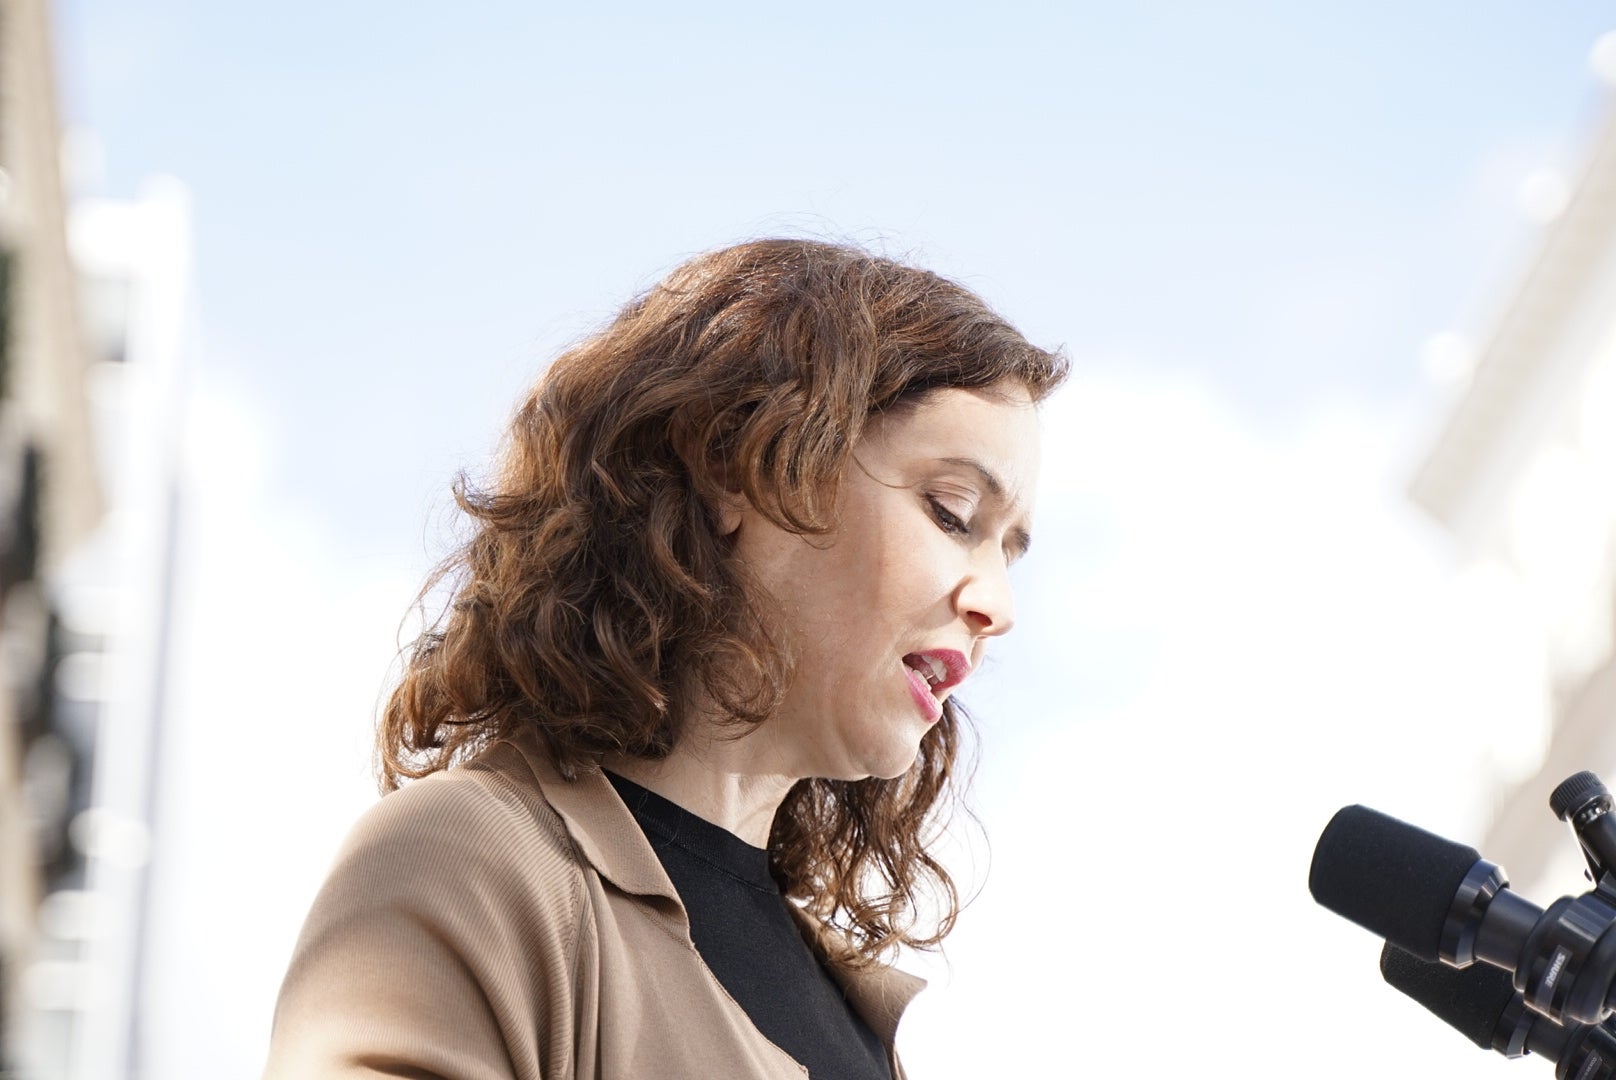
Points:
(95, 333)
(1523, 477)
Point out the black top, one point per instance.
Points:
(745, 935)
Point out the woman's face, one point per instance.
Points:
(885, 616)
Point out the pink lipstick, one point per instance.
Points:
(931, 672)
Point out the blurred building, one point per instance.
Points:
(1523, 476)
(93, 331)
(52, 498)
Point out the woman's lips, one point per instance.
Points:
(920, 690)
(932, 673)
(941, 669)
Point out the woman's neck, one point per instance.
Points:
(719, 779)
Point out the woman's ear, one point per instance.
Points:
(731, 510)
(723, 495)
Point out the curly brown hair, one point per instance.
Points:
(596, 598)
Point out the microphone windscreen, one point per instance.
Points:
(1389, 877)
(1471, 1000)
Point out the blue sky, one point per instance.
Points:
(1285, 199)
(1242, 220)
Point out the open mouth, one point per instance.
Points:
(929, 668)
(939, 669)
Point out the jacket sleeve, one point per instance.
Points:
(443, 944)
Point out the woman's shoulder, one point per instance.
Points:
(484, 823)
(453, 918)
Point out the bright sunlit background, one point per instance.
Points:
(1273, 238)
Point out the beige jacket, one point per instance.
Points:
(495, 921)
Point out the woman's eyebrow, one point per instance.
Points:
(990, 478)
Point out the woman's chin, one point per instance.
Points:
(894, 762)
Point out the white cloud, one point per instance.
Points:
(282, 647)
(1262, 634)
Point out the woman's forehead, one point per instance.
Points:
(992, 433)
(1003, 419)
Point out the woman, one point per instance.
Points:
(678, 738)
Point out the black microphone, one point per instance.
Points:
(1428, 896)
(1484, 1006)
(1442, 901)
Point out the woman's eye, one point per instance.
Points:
(946, 518)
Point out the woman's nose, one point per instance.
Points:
(986, 599)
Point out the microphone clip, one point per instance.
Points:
(1585, 803)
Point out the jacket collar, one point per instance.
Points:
(604, 830)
